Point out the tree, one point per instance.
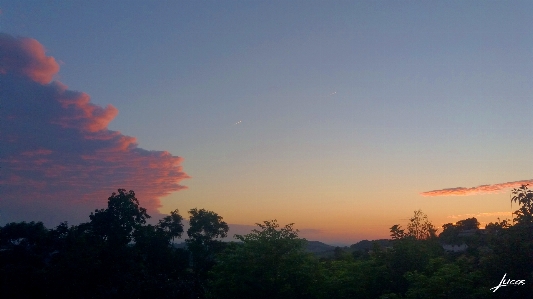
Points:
(269, 263)
(497, 226)
(445, 280)
(397, 232)
(419, 228)
(467, 224)
(116, 224)
(118, 255)
(412, 250)
(206, 225)
(24, 248)
(451, 233)
(512, 245)
(206, 228)
(171, 225)
(115, 255)
(524, 197)
(23, 234)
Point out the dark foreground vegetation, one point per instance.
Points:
(118, 255)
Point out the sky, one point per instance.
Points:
(342, 117)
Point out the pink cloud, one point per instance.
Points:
(82, 113)
(26, 57)
(59, 160)
(483, 189)
(39, 152)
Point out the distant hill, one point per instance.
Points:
(318, 247)
(324, 250)
(366, 245)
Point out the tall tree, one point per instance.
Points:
(412, 250)
(524, 197)
(205, 231)
(171, 225)
(118, 255)
(116, 224)
(269, 263)
(419, 228)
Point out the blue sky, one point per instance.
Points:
(335, 115)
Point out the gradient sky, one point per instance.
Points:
(340, 116)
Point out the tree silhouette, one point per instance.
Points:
(467, 224)
(171, 225)
(206, 228)
(118, 255)
(524, 197)
(269, 263)
(116, 224)
(419, 228)
(24, 249)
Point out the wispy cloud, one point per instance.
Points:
(483, 189)
(58, 159)
(481, 215)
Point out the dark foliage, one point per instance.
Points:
(118, 255)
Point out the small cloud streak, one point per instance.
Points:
(483, 189)
(480, 215)
(58, 159)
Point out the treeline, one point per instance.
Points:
(118, 255)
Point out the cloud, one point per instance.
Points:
(483, 189)
(58, 159)
(26, 57)
(480, 215)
